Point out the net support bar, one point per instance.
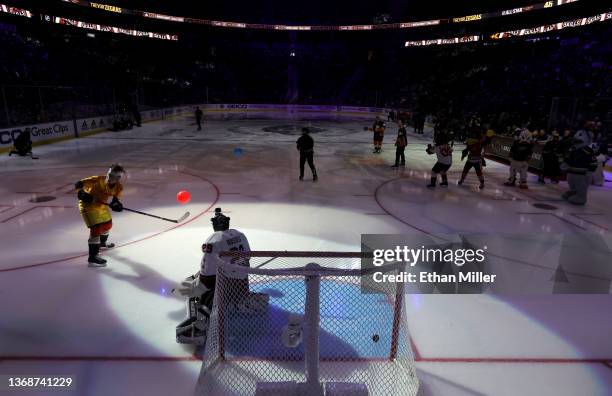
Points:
(312, 318)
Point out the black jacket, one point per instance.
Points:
(305, 143)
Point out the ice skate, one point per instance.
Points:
(566, 195)
(94, 260)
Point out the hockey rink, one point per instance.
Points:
(113, 328)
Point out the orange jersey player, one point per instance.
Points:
(93, 193)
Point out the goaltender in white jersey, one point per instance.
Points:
(223, 241)
(199, 289)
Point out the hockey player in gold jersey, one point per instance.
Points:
(93, 194)
(379, 132)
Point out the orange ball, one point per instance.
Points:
(183, 197)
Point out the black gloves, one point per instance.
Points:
(82, 195)
(115, 205)
(85, 197)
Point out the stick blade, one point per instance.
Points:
(183, 217)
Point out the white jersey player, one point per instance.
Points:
(229, 240)
(199, 289)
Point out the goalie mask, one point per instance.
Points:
(114, 174)
(220, 222)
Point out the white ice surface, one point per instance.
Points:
(114, 328)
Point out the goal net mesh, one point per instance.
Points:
(270, 321)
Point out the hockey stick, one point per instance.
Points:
(180, 219)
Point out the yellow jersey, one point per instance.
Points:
(97, 212)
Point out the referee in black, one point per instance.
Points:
(305, 146)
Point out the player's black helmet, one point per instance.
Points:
(220, 222)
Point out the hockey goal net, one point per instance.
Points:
(301, 323)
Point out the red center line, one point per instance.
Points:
(513, 360)
(101, 358)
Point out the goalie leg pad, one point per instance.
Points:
(193, 329)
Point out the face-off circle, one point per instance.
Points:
(292, 129)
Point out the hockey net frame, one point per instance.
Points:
(311, 279)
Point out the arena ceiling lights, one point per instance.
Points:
(606, 16)
(15, 11)
(240, 25)
(86, 25)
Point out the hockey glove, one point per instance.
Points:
(191, 288)
(85, 197)
(115, 205)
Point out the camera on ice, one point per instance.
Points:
(433, 277)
